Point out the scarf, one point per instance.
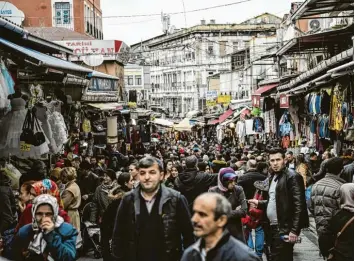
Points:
(49, 187)
(227, 173)
(347, 197)
(107, 187)
(38, 244)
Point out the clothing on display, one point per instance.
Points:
(240, 131)
(258, 124)
(11, 131)
(336, 120)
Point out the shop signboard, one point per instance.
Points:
(256, 101)
(108, 49)
(11, 13)
(211, 97)
(211, 103)
(284, 101)
(225, 99)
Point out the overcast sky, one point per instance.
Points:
(134, 29)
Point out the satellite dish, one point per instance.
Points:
(93, 59)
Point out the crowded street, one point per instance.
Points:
(157, 130)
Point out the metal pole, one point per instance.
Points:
(93, 11)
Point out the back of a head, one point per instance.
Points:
(123, 178)
(334, 165)
(251, 164)
(201, 166)
(191, 162)
(347, 197)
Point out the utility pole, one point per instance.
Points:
(93, 12)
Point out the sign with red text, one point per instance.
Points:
(284, 101)
(107, 48)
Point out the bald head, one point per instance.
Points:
(251, 165)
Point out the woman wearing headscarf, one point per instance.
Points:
(124, 184)
(235, 195)
(71, 195)
(101, 198)
(343, 244)
(48, 237)
(35, 189)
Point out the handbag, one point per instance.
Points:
(331, 255)
(27, 135)
(39, 137)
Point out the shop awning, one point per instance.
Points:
(225, 115)
(317, 42)
(265, 89)
(320, 68)
(103, 75)
(107, 106)
(43, 60)
(213, 122)
(310, 8)
(183, 125)
(163, 122)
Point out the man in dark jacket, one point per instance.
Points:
(325, 199)
(7, 203)
(153, 221)
(192, 183)
(321, 173)
(250, 176)
(348, 173)
(286, 207)
(211, 211)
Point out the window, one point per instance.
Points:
(130, 80)
(222, 48)
(126, 80)
(138, 80)
(235, 46)
(62, 13)
(210, 49)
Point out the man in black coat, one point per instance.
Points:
(153, 221)
(286, 207)
(246, 181)
(191, 183)
(211, 212)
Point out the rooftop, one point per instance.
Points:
(57, 33)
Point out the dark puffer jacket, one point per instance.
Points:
(291, 205)
(325, 198)
(7, 204)
(192, 183)
(176, 225)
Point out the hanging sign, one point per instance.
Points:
(24, 146)
(256, 101)
(284, 101)
(128, 147)
(225, 99)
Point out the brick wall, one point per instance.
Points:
(38, 13)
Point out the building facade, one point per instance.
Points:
(82, 16)
(181, 61)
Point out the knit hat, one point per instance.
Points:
(225, 175)
(56, 173)
(205, 158)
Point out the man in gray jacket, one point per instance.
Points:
(211, 211)
(325, 201)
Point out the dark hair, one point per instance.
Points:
(111, 173)
(122, 179)
(261, 166)
(219, 156)
(273, 151)
(135, 164)
(85, 165)
(191, 162)
(149, 161)
(234, 166)
(28, 185)
(289, 153)
(178, 167)
(300, 158)
(312, 154)
(334, 166)
(201, 166)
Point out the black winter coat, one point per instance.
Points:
(176, 225)
(192, 183)
(325, 200)
(227, 249)
(7, 204)
(344, 251)
(236, 198)
(246, 181)
(292, 214)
